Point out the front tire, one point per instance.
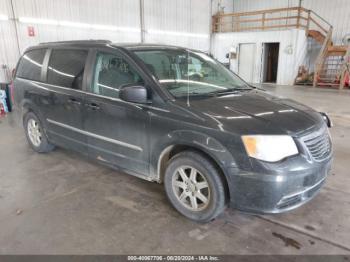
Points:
(35, 134)
(195, 186)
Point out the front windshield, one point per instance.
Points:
(191, 73)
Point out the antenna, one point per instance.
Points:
(188, 80)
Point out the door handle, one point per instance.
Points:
(93, 106)
(74, 101)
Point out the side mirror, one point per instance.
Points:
(134, 93)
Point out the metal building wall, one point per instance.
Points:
(253, 5)
(119, 13)
(292, 51)
(335, 12)
(8, 41)
(180, 22)
(218, 5)
(177, 22)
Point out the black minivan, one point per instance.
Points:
(175, 116)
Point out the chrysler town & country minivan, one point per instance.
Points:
(175, 116)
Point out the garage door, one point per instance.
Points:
(246, 61)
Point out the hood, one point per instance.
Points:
(256, 112)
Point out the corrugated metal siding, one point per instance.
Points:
(184, 16)
(254, 5)
(226, 4)
(107, 12)
(335, 12)
(188, 19)
(8, 41)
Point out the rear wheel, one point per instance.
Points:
(35, 134)
(195, 187)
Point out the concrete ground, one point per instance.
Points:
(63, 203)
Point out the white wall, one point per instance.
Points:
(107, 12)
(8, 42)
(177, 22)
(218, 5)
(180, 22)
(288, 63)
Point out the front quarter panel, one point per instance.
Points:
(169, 129)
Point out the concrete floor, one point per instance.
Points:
(63, 203)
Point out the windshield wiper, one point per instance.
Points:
(194, 93)
(231, 90)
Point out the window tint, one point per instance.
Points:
(30, 64)
(66, 68)
(112, 72)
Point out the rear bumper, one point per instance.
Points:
(276, 192)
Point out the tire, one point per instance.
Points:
(35, 134)
(176, 188)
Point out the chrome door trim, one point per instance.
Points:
(36, 84)
(107, 139)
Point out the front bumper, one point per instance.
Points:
(277, 189)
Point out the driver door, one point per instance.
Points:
(117, 131)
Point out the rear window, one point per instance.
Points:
(66, 68)
(30, 65)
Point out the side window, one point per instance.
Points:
(66, 68)
(112, 72)
(30, 64)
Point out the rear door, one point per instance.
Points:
(65, 79)
(117, 131)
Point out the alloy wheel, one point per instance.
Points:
(191, 188)
(34, 132)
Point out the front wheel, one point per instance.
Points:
(195, 187)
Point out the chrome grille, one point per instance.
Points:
(319, 145)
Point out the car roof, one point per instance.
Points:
(96, 43)
(142, 46)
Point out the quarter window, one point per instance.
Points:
(111, 73)
(66, 68)
(31, 64)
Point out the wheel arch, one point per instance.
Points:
(193, 141)
(172, 150)
(28, 106)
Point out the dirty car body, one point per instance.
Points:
(139, 137)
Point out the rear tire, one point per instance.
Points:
(35, 134)
(195, 186)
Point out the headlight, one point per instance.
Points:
(269, 148)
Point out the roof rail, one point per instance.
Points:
(78, 42)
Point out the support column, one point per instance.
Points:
(142, 20)
(15, 21)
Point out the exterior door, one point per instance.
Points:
(64, 104)
(116, 130)
(246, 61)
